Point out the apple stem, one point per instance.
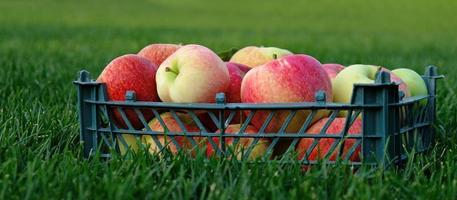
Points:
(167, 69)
(275, 56)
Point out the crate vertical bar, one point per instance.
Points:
(380, 129)
(87, 90)
(431, 74)
(220, 100)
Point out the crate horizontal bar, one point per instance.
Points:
(259, 135)
(235, 106)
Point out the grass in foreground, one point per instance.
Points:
(44, 44)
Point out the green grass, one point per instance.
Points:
(44, 44)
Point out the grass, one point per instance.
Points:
(44, 44)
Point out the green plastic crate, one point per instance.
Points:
(392, 126)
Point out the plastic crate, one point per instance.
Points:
(392, 126)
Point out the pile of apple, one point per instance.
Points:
(195, 74)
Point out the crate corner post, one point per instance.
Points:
(381, 142)
(86, 90)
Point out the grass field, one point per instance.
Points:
(43, 44)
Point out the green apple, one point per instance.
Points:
(131, 141)
(416, 84)
(345, 80)
(252, 56)
(193, 74)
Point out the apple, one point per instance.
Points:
(294, 78)
(157, 53)
(252, 56)
(242, 67)
(416, 84)
(243, 143)
(131, 141)
(343, 83)
(323, 147)
(332, 70)
(233, 94)
(130, 73)
(172, 126)
(193, 74)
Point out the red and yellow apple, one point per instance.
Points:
(243, 144)
(253, 56)
(343, 83)
(157, 53)
(294, 78)
(193, 74)
(130, 73)
(172, 125)
(324, 145)
(332, 70)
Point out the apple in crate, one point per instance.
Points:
(172, 125)
(343, 83)
(416, 85)
(193, 74)
(130, 73)
(233, 94)
(324, 145)
(132, 142)
(294, 78)
(240, 149)
(157, 53)
(252, 56)
(332, 70)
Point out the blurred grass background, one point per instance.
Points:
(43, 44)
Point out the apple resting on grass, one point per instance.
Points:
(343, 83)
(416, 85)
(294, 78)
(243, 144)
(252, 56)
(323, 147)
(172, 126)
(130, 73)
(193, 74)
(157, 53)
(332, 70)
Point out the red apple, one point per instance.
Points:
(134, 73)
(294, 78)
(172, 126)
(157, 53)
(233, 93)
(323, 147)
(243, 143)
(332, 70)
(242, 67)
